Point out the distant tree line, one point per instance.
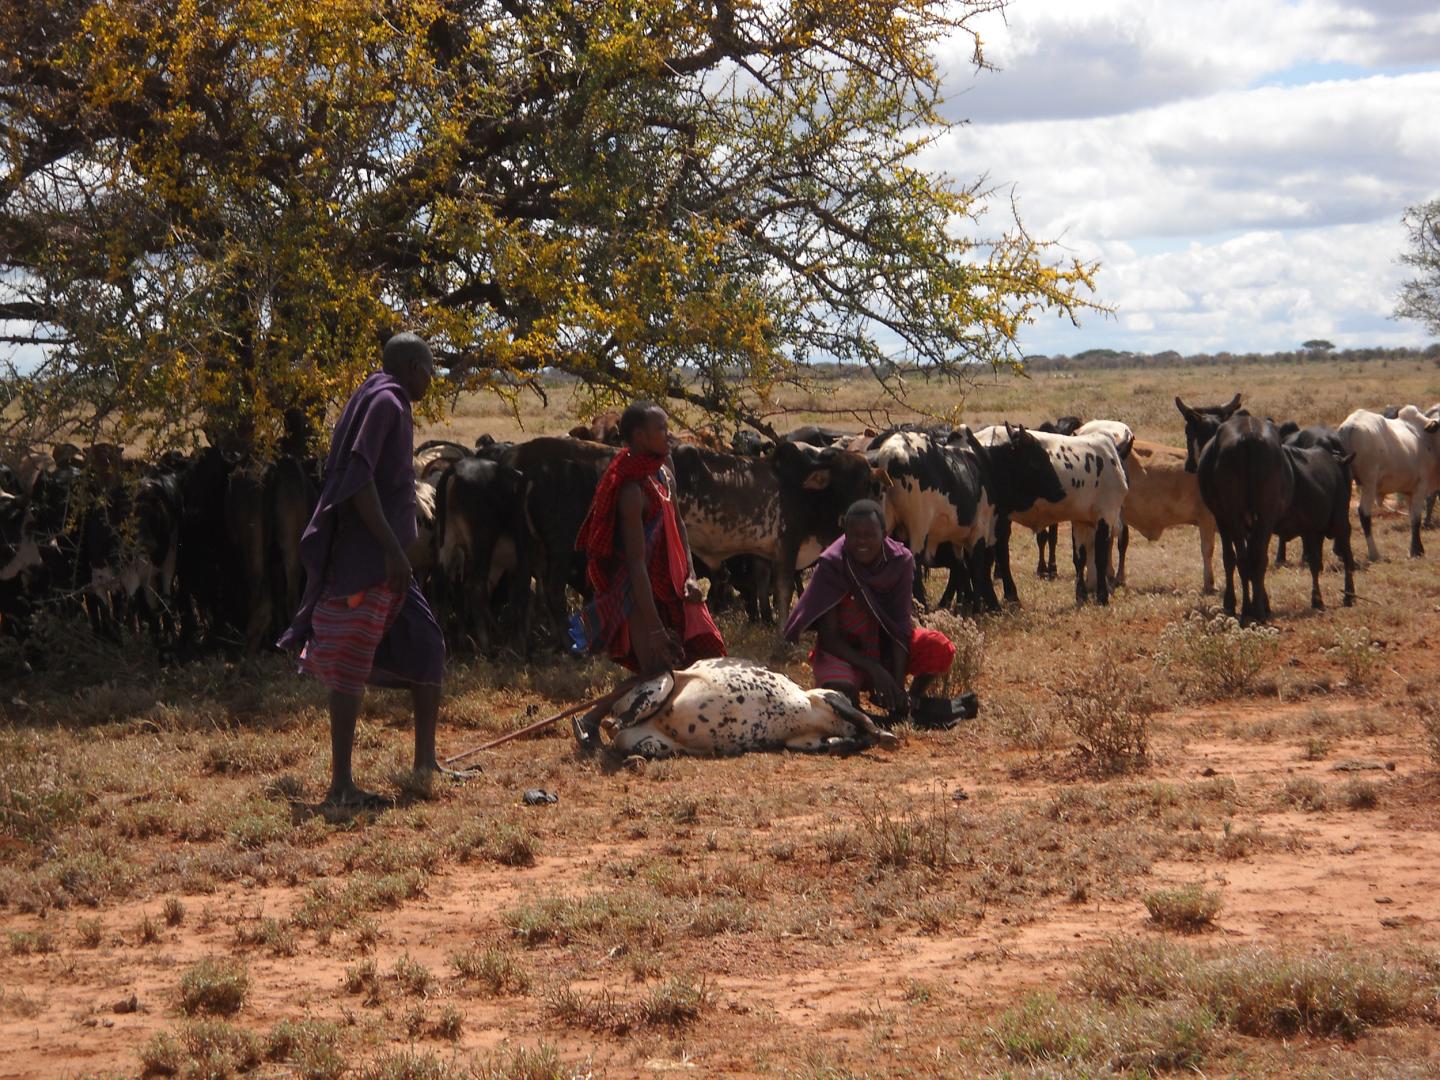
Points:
(1111, 359)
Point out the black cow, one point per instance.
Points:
(561, 475)
(1292, 434)
(1247, 481)
(785, 507)
(1049, 536)
(480, 535)
(1319, 508)
(815, 435)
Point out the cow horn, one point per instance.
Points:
(1185, 410)
(1229, 408)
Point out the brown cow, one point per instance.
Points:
(1163, 495)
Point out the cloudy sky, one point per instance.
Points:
(1239, 167)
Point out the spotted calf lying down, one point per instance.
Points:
(729, 706)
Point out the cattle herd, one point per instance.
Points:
(201, 552)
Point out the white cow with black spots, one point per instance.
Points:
(1093, 480)
(729, 706)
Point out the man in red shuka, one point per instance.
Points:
(648, 613)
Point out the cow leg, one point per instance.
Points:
(1207, 556)
(1227, 556)
(765, 585)
(645, 740)
(1417, 508)
(1101, 549)
(1347, 558)
(1040, 538)
(1000, 554)
(1430, 509)
(784, 572)
(1366, 512)
(980, 576)
(1280, 552)
(1258, 550)
(1121, 547)
(1313, 545)
(1082, 538)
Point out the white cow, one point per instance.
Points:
(1093, 479)
(1401, 456)
(728, 706)
(1119, 433)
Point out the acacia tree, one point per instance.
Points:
(1420, 296)
(212, 209)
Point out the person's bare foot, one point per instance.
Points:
(455, 776)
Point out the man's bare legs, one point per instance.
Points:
(344, 714)
(427, 718)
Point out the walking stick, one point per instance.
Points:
(529, 729)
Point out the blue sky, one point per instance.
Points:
(1238, 168)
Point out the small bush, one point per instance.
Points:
(1187, 909)
(498, 841)
(413, 976)
(675, 1003)
(214, 985)
(1111, 721)
(1358, 655)
(403, 1065)
(1127, 1038)
(268, 933)
(1215, 656)
(25, 942)
(1316, 748)
(149, 932)
(209, 1049)
(1307, 793)
(90, 932)
(524, 1063)
(897, 841)
(174, 911)
(1260, 992)
(312, 1046)
(1361, 794)
(1428, 713)
(449, 1023)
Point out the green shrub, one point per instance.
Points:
(1214, 656)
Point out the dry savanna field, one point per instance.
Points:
(1166, 845)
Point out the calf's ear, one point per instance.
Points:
(881, 477)
(818, 480)
(1432, 425)
(1190, 414)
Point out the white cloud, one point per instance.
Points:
(1238, 194)
(1060, 58)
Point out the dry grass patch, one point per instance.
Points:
(1360, 794)
(267, 933)
(673, 1004)
(413, 976)
(1188, 909)
(208, 1049)
(1084, 1038)
(1267, 992)
(25, 942)
(311, 1047)
(1305, 792)
(527, 1063)
(1109, 717)
(214, 985)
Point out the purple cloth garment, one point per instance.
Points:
(884, 586)
(374, 439)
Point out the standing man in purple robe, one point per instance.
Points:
(363, 619)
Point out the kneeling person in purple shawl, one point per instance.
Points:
(363, 619)
(858, 602)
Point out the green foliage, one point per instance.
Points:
(656, 198)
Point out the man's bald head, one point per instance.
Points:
(408, 358)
